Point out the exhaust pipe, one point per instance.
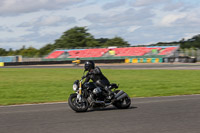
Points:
(119, 93)
(122, 96)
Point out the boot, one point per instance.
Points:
(110, 93)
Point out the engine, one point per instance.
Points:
(97, 91)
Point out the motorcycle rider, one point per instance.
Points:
(95, 74)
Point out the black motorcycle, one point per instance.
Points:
(88, 95)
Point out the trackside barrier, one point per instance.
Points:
(60, 62)
(144, 60)
(1, 64)
(127, 61)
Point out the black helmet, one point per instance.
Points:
(89, 65)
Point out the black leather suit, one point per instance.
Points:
(97, 77)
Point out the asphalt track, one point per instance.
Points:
(173, 66)
(176, 114)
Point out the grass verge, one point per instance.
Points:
(19, 86)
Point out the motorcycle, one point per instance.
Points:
(88, 95)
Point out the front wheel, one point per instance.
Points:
(76, 105)
(123, 103)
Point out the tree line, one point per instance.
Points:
(79, 37)
(192, 43)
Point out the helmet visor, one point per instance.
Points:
(87, 67)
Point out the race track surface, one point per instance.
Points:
(176, 114)
(173, 66)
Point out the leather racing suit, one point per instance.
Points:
(98, 78)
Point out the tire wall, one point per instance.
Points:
(144, 60)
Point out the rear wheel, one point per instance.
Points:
(123, 103)
(76, 105)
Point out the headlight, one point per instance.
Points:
(75, 87)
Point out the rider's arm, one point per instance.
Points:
(97, 70)
(87, 78)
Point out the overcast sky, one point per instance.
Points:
(39, 22)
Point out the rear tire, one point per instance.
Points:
(123, 103)
(78, 106)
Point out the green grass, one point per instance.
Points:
(18, 86)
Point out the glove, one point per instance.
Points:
(83, 77)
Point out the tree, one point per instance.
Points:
(45, 50)
(116, 41)
(3, 52)
(102, 41)
(76, 37)
(193, 42)
(29, 52)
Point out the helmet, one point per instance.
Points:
(89, 65)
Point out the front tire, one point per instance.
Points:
(76, 105)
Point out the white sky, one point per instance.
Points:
(39, 22)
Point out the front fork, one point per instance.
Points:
(79, 96)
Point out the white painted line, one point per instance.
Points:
(21, 105)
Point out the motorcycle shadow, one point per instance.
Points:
(109, 109)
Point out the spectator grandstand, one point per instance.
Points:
(133, 51)
(55, 54)
(87, 53)
(149, 54)
(167, 51)
(118, 52)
